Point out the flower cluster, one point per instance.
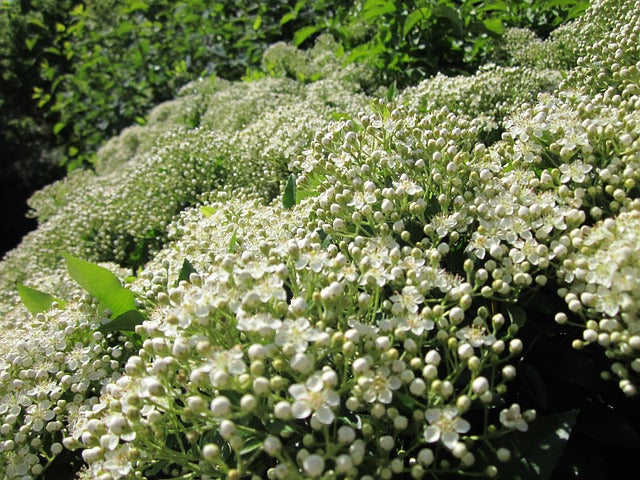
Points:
(603, 275)
(52, 367)
(241, 135)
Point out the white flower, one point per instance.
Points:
(297, 333)
(476, 335)
(445, 425)
(315, 399)
(379, 386)
(512, 418)
(415, 323)
(407, 301)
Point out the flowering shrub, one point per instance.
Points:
(371, 317)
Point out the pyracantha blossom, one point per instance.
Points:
(314, 398)
(445, 425)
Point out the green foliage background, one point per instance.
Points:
(76, 72)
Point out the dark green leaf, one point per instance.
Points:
(444, 11)
(102, 284)
(536, 452)
(289, 197)
(278, 427)
(536, 386)
(123, 323)
(325, 242)
(516, 315)
(36, 301)
(251, 446)
(419, 15)
(605, 425)
(186, 271)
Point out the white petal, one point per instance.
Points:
(324, 415)
(450, 439)
(433, 414)
(300, 409)
(432, 433)
(462, 426)
(314, 383)
(297, 390)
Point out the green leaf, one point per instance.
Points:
(537, 388)
(536, 452)
(391, 91)
(102, 284)
(207, 211)
(310, 187)
(233, 247)
(287, 17)
(444, 11)
(289, 197)
(36, 301)
(186, 271)
(136, 7)
(303, 33)
(326, 241)
(251, 446)
(257, 22)
(604, 424)
(517, 315)
(58, 127)
(494, 25)
(376, 8)
(413, 18)
(125, 322)
(31, 42)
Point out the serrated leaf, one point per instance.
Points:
(102, 284)
(186, 271)
(125, 322)
(36, 301)
(536, 452)
(289, 197)
(303, 33)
